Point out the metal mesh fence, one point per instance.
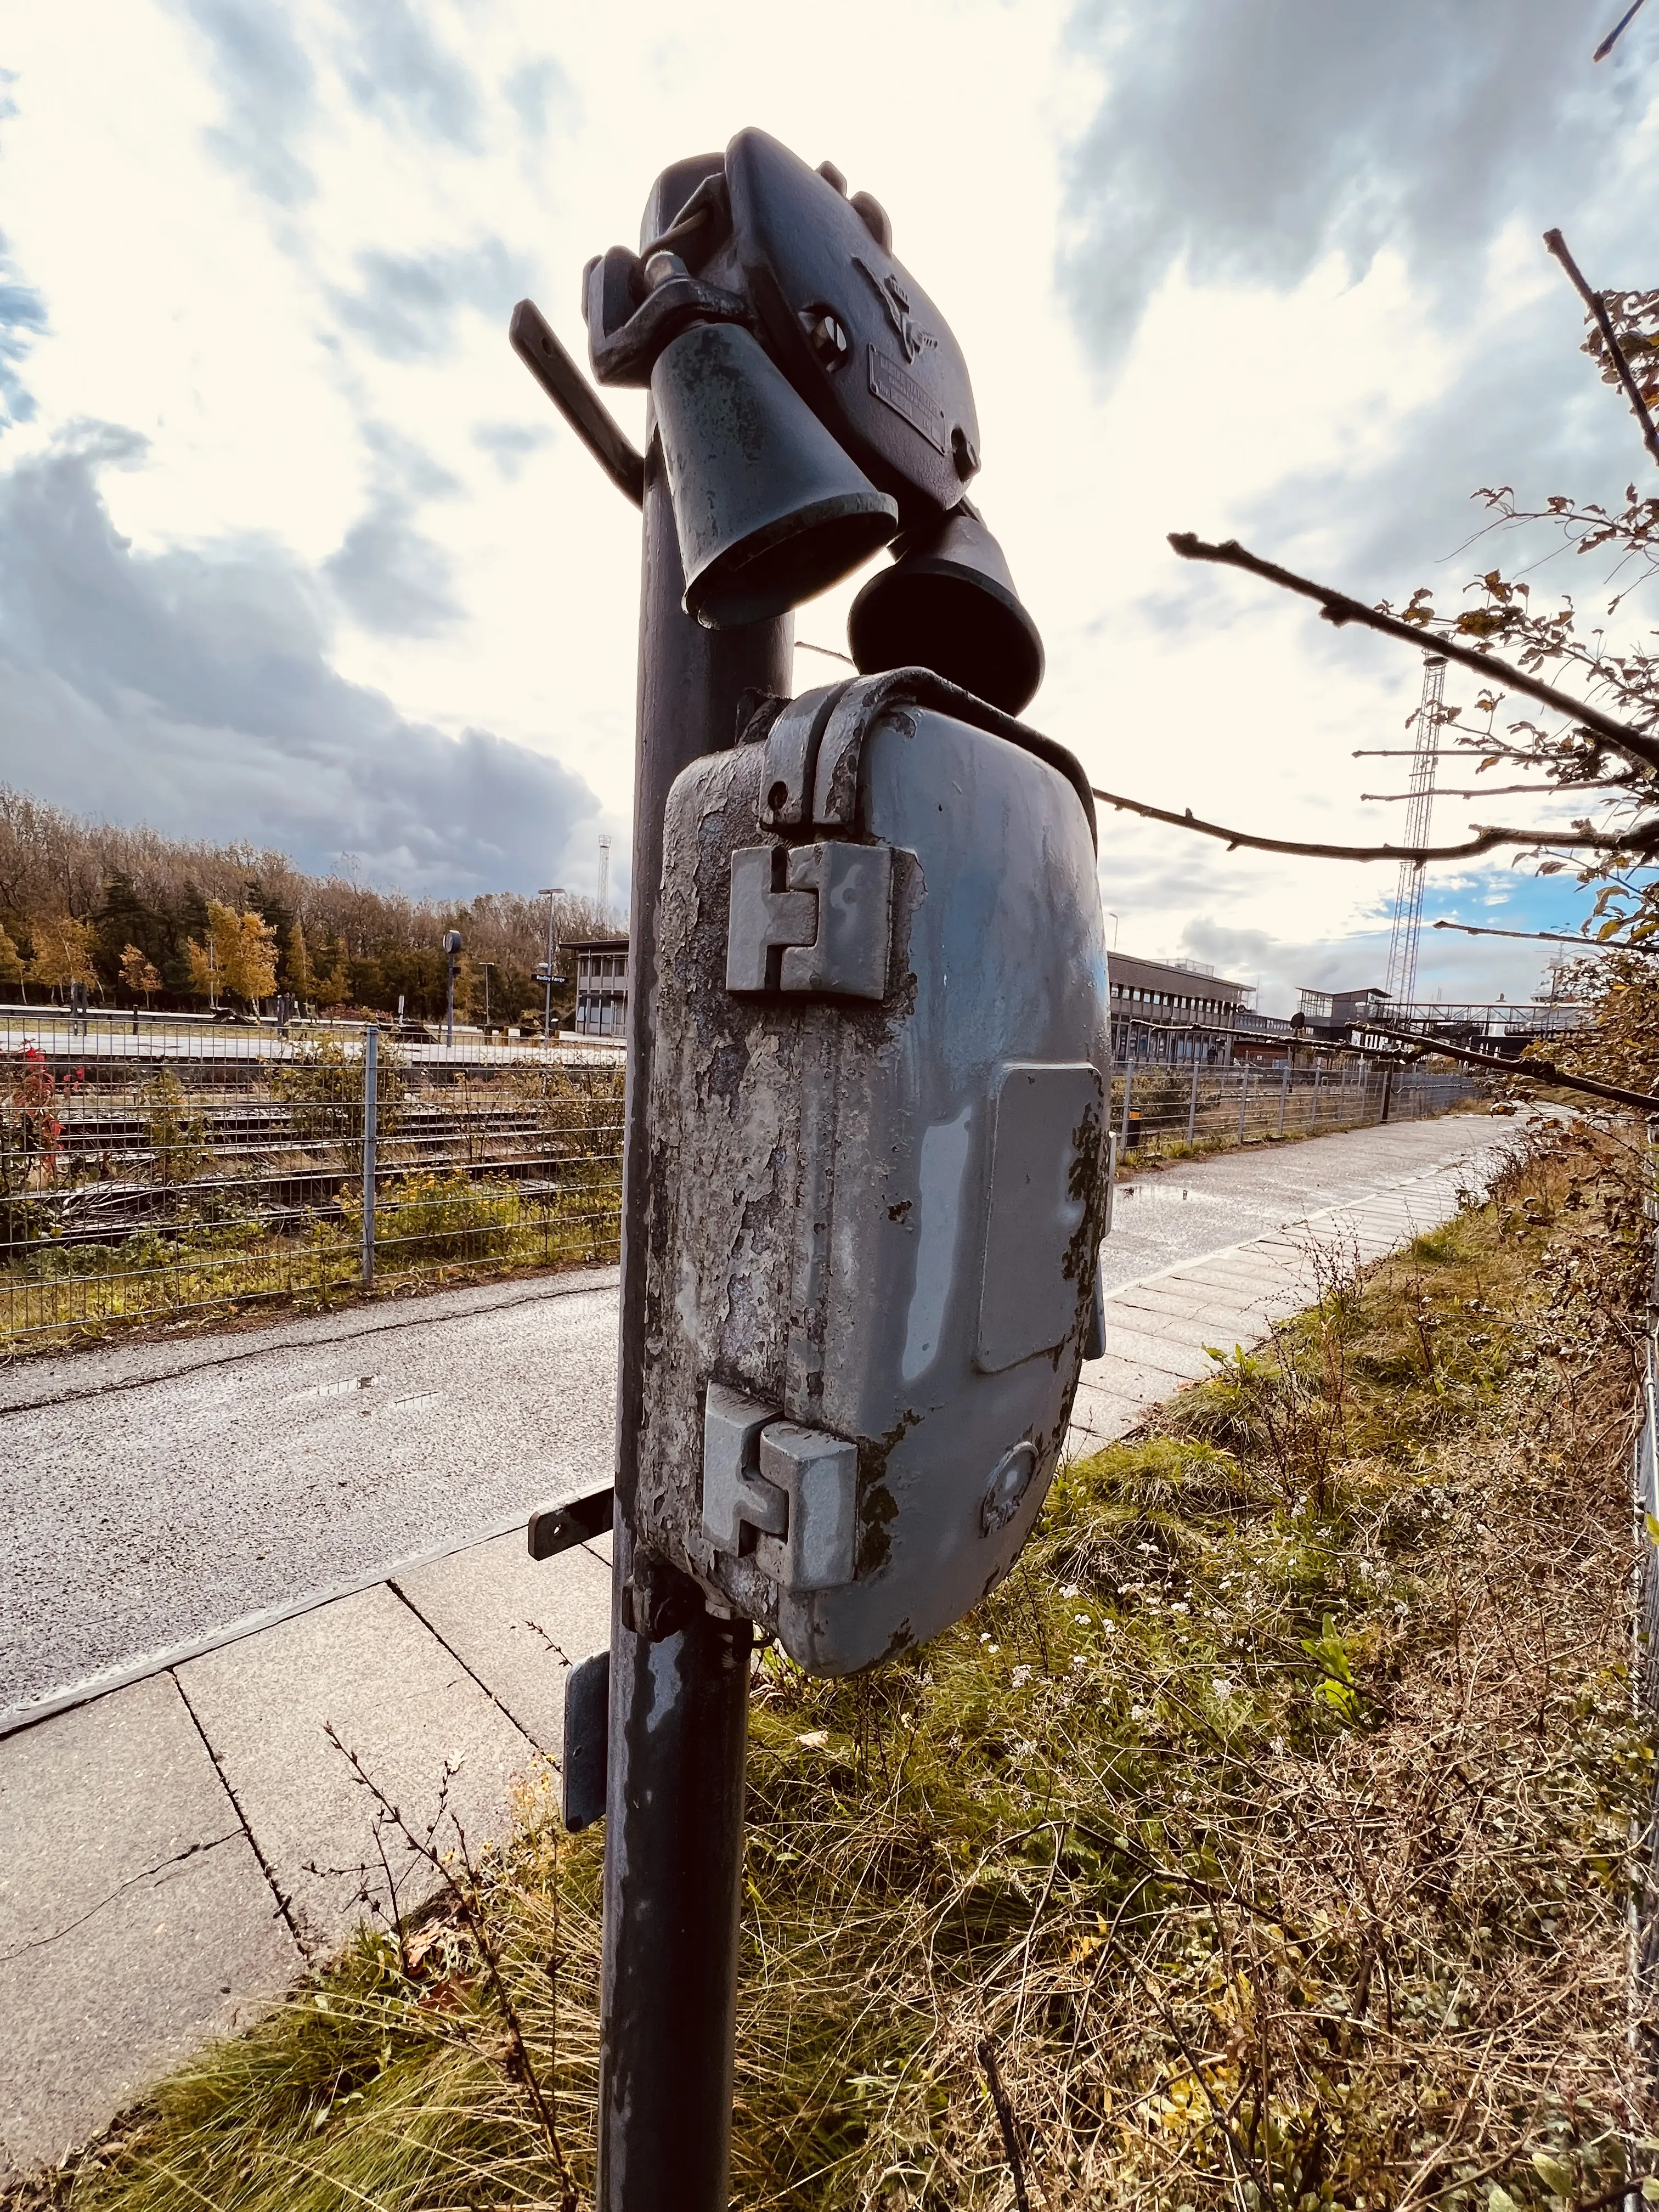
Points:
(150, 1170)
(153, 1169)
(1178, 1111)
(1644, 1991)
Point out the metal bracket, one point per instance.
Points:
(812, 918)
(555, 1528)
(818, 1475)
(586, 1741)
(795, 1488)
(732, 1492)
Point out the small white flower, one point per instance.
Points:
(1178, 1608)
(1222, 1686)
(1109, 1627)
(1082, 1619)
(1068, 1589)
(1022, 1676)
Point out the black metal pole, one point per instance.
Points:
(679, 1674)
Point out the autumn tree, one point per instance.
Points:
(138, 973)
(297, 974)
(334, 988)
(238, 956)
(245, 947)
(63, 954)
(11, 961)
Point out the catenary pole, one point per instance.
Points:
(679, 1673)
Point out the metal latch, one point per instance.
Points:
(788, 1492)
(811, 918)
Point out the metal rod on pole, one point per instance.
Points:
(679, 1673)
(452, 947)
(1128, 1085)
(371, 1130)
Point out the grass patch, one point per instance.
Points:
(1272, 1822)
(433, 1228)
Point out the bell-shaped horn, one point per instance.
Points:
(770, 511)
(949, 604)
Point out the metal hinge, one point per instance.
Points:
(811, 918)
(789, 1492)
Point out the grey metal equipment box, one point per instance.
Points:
(878, 1177)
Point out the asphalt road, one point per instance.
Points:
(153, 1493)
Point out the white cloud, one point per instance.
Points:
(1231, 267)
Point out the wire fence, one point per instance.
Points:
(1643, 1991)
(1159, 1110)
(155, 1170)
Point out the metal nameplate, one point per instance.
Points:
(890, 385)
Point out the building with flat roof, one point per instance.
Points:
(1179, 1011)
(601, 985)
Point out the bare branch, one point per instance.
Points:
(1546, 937)
(1492, 791)
(1546, 1071)
(1484, 840)
(1593, 300)
(1338, 608)
(1614, 34)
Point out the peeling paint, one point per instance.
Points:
(818, 1170)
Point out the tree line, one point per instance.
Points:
(137, 919)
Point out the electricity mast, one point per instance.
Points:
(1408, 896)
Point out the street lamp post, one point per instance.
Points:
(453, 947)
(553, 891)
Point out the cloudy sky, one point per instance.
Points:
(292, 549)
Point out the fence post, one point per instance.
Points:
(1284, 1092)
(371, 1124)
(1128, 1085)
(1388, 1086)
(1243, 1100)
(1191, 1100)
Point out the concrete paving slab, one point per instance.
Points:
(1100, 1417)
(1159, 1352)
(395, 1696)
(1197, 1318)
(1222, 1281)
(520, 1624)
(135, 1920)
(195, 1951)
(1132, 1380)
(128, 1781)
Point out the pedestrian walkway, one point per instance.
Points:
(175, 1850)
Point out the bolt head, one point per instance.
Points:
(827, 336)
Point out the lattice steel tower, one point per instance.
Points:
(1408, 897)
